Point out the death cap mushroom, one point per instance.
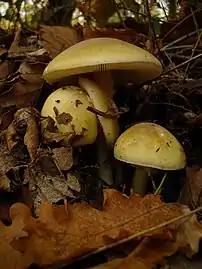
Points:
(103, 54)
(72, 102)
(150, 145)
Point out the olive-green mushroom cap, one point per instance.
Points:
(101, 54)
(150, 145)
(72, 102)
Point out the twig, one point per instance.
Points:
(119, 14)
(180, 39)
(106, 115)
(170, 104)
(141, 233)
(171, 30)
(180, 65)
(194, 49)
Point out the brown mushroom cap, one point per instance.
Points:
(150, 145)
(103, 54)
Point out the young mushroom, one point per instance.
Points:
(149, 146)
(67, 106)
(109, 59)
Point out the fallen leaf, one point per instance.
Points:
(51, 133)
(73, 182)
(63, 157)
(188, 236)
(58, 38)
(7, 160)
(24, 86)
(127, 35)
(69, 232)
(149, 255)
(101, 10)
(191, 193)
(25, 127)
(6, 116)
(4, 183)
(46, 182)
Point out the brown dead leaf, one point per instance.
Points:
(6, 116)
(101, 10)
(7, 160)
(127, 35)
(63, 157)
(4, 183)
(46, 182)
(188, 236)
(58, 38)
(25, 127)
(191, 193)
(67, 233)
(63, 118)
(25, 86)
(149, 255)
(51, 133)
(6, 67)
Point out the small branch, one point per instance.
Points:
(178, 24)
(107, 115)
(180, 65)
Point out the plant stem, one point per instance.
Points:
(105, 169)
(140, 180)
(105, 81)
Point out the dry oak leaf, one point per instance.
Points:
(68, 232)
(191, 194)
(24, 124)
(150, 254)
(127, 35)
(58, 38)
(25, 86)
(64, 157)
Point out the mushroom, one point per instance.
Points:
(149, 146)
(68, 107)
(108, 124)
(126, 61)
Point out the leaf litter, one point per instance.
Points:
(79, 229)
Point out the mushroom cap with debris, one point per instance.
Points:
(128, 62)
(68, 107)
(150, 145)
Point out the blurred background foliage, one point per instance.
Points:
(94, 13)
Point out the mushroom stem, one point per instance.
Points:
(105, 81)
(105, 169)
(140, 180)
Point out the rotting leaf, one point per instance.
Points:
(101, 10)
(188, 236)
(45, 180)
(127, 35)
(63, 118)
(24, 125)
(7, 160)
(191, 193)
(4, 183)
(63, 157)
(149, 255)
(50, 137)
(58, 38)
(25, 85)
(69, 232)
(73, 182)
